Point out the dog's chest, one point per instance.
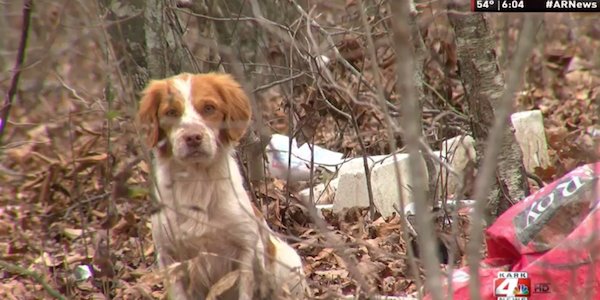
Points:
(201, 215)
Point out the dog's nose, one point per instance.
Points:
(193, 140)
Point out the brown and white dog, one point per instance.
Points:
(207, 227)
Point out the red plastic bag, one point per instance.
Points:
(552, 237)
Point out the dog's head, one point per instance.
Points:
(192, 116)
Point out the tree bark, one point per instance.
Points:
(146, 38)
(166, 53)
(484, 84)
(128, 38)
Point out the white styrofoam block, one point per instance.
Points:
(530, 134)
(457, 152)
(386, 186)
(357, 163)
(322, 193)
(352, 190)
(352, 186)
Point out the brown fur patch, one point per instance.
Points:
(236, 106)
(217, 98)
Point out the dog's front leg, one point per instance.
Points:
(248, 260)
(175, 275)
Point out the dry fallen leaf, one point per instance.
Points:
(66, 143)
(224, 284)
(72, 233)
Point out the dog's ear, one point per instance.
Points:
(237, 107)
(148, 111)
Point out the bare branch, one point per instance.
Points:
(12, 268)
(16, 72)
(406, 85)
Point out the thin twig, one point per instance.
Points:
(339, 57)
(14, 84)
(235, 19)
(73, 91)
(277, 82)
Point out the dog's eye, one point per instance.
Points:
(208, 109)
(172, 113)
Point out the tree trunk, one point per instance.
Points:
(484, 84)
(146, 38)
(128, 38)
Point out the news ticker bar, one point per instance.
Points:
(535, 5)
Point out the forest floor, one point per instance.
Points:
(73, 193)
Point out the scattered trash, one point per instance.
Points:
(82, 272)
(278, 152)
(386, 186)
(459, 152)
(544, 247)
(450, 206)
(531, 137)
(322, 61)
(321, 207)
(323, 193)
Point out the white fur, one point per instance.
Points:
(206, 227)
(211, 202)
(198, 203)
(184, 87)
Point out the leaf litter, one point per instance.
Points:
(71, 202)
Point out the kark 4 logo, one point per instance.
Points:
(512, 286)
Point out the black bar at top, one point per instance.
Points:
(535, 5)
